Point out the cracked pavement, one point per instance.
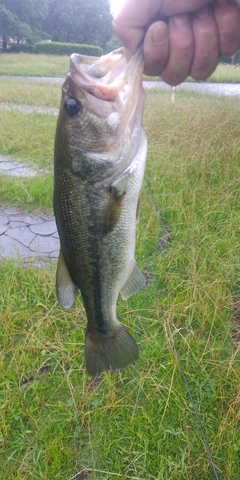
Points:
(33, 237)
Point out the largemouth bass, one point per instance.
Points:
(100, 153)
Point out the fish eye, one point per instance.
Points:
(72, 106)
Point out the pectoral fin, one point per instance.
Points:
(113, 210)
(135, 282)
(66, 289)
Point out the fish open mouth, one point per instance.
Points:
(106, 76)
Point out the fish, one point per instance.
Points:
(100, 153)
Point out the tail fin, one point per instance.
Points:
(112, 351)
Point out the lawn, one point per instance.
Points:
(26, 92)
(57, 66)
(39, 65)
(139, 424)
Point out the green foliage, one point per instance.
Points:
(21, 47)
(75, 21)
(112, 44)
(81, 21)
(58, 48)
(30, 12)
(233, 59)
(22, 19)
(55, 422)
(7, 21)
(11, 25)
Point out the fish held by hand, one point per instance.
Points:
(99, 161)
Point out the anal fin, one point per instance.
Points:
(135, 282)
(65, 287)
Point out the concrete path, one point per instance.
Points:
(11, 166)
(228, 89)
(33, 237)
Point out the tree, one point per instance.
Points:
(113, 44)
(79, 21)
(64, 21)
(97, 22)
(31, 12)
(75, 21)
(22, 19)
(11, 26)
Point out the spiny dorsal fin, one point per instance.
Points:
(113, 210)
(66, 289)
(135, 282)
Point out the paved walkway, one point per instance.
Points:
(33, 237)
(10, 166)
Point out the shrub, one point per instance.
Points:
(229, 59)
(58, 48)
(21, 47)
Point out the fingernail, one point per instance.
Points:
(181, 20)
(158, 35)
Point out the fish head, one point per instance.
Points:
(100, 117)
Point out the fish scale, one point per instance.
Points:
(97, 184)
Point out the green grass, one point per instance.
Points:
(26, 92)
(57, 66)
(29, 193)
(223, 74)
(29, 138)
(139, 423)
(34, 65)
(226, 73)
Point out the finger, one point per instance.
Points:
(156, 49)
(206, 51)
(181, 48)
(228, 22)
(135, 16)
(174, 7)
(133, 20)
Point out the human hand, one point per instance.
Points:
(181, 37)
